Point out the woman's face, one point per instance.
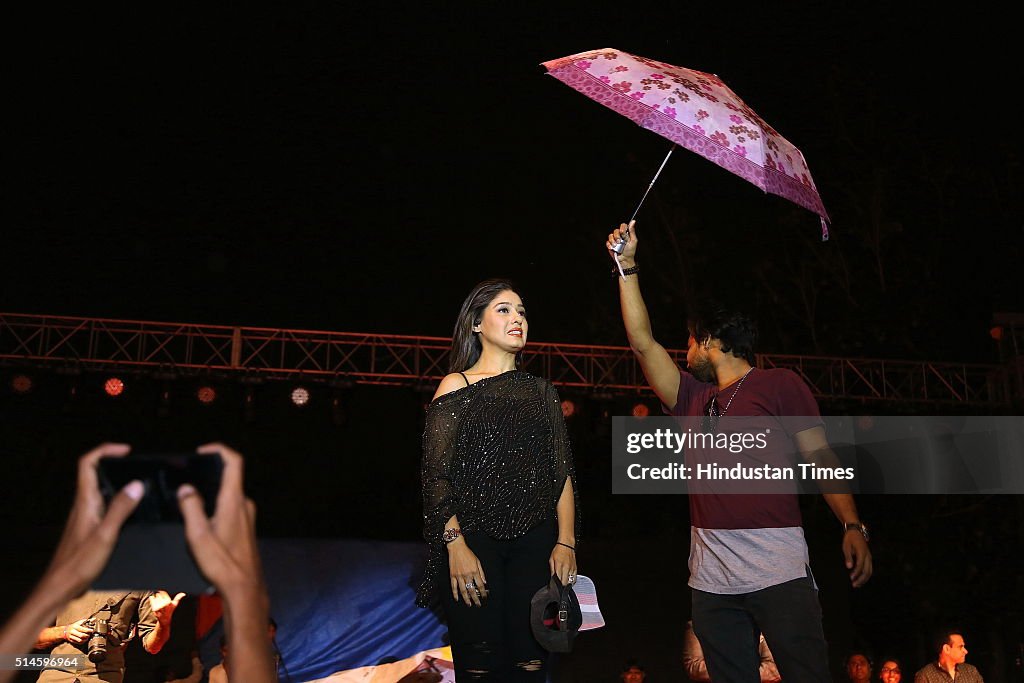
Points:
(503, 324)
(890, 672)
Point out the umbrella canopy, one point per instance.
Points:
(696, 110)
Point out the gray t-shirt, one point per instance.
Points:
(734, 561)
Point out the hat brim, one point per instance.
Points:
(586, 594)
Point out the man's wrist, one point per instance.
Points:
(858, 527)
(245, 594)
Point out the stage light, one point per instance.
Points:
(641, 410)
(300, 396)
(21, 384)
(206, 395)
(114, 386)
(568, 408)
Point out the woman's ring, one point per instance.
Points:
(471, 585)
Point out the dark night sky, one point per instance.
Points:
(359, 169)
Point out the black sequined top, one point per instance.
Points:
(496, 454)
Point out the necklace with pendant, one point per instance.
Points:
(713, 413)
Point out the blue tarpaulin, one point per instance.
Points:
(342, 604)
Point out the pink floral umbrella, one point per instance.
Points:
(697, 111)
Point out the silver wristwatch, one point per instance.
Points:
(857, 526)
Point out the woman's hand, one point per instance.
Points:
(563, 564)
(466, 573)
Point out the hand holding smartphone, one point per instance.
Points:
(151, 552)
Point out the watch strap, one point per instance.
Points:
(857, 526)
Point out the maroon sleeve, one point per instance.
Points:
(688, 384)
(797, 407)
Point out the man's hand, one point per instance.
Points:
(92, 531)
(224, 545)
(857, 556)
(78, 633)
(163, 606)
(628, 233)
(225, 548)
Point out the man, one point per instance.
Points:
(633, 672)
(858, 667)
(951, 665)
(748, 559)
(144, 613)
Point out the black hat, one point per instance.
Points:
(555, 616)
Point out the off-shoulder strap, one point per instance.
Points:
(465, 378)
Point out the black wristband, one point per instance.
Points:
(626, 271)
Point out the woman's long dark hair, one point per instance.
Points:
(466, 347)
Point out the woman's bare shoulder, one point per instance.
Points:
(449, 384)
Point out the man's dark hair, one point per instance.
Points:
(942, 637)
(863, 653)
(736, 331)
(632, 664)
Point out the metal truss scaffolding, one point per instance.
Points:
(97, 344)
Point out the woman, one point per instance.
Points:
(890, 671)
(499, 496)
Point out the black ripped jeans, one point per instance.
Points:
(494, 642)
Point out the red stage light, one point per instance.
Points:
(21, 384)
(114, 386)
(206, 395)
(568, 409)
(641, 410)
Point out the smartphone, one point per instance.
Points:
(162, 474)
(151, 551)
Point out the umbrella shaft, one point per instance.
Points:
(655, 178)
